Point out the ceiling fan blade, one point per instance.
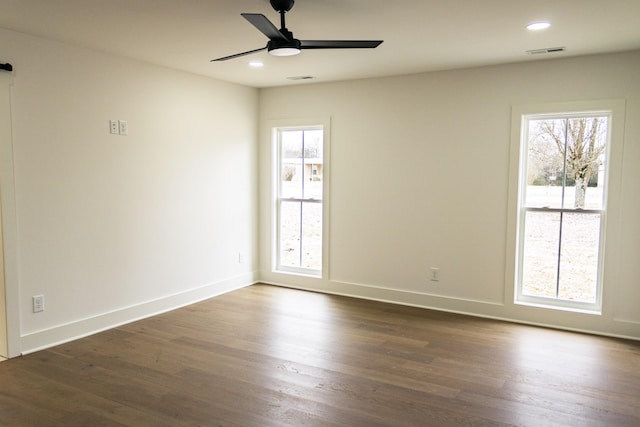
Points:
(265, 26)
(339, 44)
(224, 58)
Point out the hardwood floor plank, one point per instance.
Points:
(269, 356)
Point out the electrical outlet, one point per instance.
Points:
(435, 274)
(38, 303)
(240, 258)
(113, 127)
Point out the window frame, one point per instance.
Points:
(276, 129)
(521, 115)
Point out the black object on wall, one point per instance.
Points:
(6, 67)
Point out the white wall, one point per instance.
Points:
(110, 228)
(420, 178)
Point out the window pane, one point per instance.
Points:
(313, 164)
(540, 257)
(291, 170)
(565, 162)
(545, 163)
(312, 236)
(290, 233)
(579, 257)
(586, 143)
(313, 144)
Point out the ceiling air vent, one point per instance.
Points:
(301, 78)
(546, 50)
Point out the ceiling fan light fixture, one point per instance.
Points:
(285, 51)
(287, 47)
(281, 41)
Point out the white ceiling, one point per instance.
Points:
(419, 35)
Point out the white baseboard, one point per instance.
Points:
(68, 332)
(476, 308)
(71, 331)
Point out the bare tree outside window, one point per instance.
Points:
(570, 148)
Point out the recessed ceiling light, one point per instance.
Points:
(537, 26)
(256, 64)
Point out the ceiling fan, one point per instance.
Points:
(282, 43)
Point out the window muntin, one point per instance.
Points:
(562, 209)
(299, 204)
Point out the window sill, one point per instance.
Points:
(292, 272)
(549, 306)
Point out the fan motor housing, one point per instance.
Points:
(282, 5)
(281, 44)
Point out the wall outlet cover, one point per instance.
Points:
(38, 303)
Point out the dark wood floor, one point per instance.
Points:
(268, 356)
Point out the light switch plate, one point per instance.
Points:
(123, 127)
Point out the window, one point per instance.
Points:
(299, 204)
(561, 213)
